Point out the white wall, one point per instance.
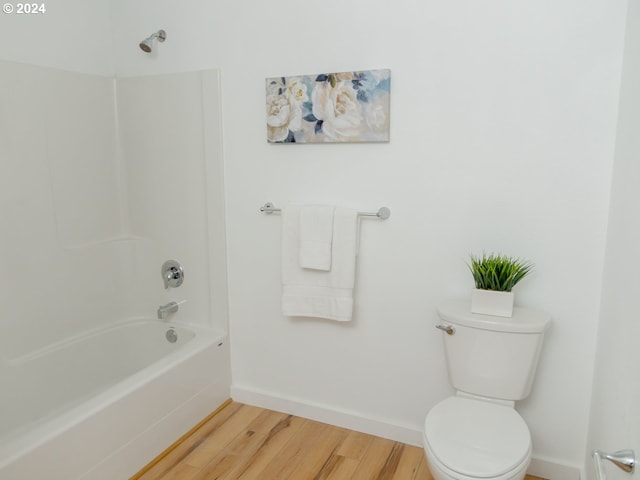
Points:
(502, 134)
(72, 35)
(615, 420)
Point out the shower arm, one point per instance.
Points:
(160, 35)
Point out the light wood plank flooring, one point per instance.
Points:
(251, 443)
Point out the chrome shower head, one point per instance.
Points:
(147, 44)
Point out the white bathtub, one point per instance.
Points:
(103, 405)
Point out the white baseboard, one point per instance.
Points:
(551, 469)
(540, 467)
(328, 414)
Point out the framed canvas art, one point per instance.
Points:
(329, 107)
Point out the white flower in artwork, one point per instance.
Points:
(284, 107)
(376, 116)
(336, 106)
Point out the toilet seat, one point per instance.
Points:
(476, 438)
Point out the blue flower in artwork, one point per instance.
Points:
(308, 108)
(366, 85)
(359, 85)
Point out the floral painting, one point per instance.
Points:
(329, 107)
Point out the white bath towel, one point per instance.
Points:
(316, 236)
(318, 293)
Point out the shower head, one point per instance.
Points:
(147, 43)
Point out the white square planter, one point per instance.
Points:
(490, 302)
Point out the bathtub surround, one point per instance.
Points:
(169, 136)
(92, 207)
(62, 228)
(94, 204)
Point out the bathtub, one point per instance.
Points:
(103, 405)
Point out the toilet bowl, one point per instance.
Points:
(468, 439)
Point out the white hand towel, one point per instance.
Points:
(316, 235)
(318, 293)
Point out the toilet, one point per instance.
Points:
(491, 361)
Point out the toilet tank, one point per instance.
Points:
(494, 357)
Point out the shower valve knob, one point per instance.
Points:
(172, 274)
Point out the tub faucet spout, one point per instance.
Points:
(165, 310)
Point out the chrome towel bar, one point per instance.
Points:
(383, 212)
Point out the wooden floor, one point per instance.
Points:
(245, 442)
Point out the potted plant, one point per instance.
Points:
(494, 277)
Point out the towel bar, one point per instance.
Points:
(383, 212)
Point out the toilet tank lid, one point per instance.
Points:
(524, 320)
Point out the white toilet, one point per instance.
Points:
(477, 434)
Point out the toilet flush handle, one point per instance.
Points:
(447, 328)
